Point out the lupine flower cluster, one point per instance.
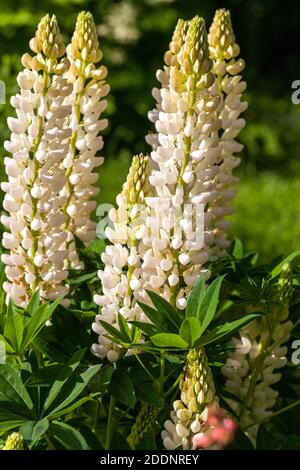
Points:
(252, 368)
(190, 180)
(53, 143)
(189, 415)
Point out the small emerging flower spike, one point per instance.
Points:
(145, 421)
(81, 160)
(189, 414)
(227, 67)
(14, 442)
(36, 242)
(122, 278)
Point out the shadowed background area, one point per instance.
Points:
(134, 34)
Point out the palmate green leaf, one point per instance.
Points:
(195, 297)
(45, 376)
(208, 304)
(83, 278)
(9, 349)
(147, 328)
(169, 340)
(32, 431)
(237, 249)
(7, 424)
(50, 350)
(74, 405)
(123, 336)
(70, 391)
(114, 332)
(35, 323)
(65, 374)
(121, 388)
(13, 330)
(223, 330)
(190, 330)
(124, 328)
(33, 303)
(68, 436)
(13, 389)
(165, 309)
(156, 317)
(288, 259)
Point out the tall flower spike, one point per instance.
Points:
(186, 155)
(86, 100)
(189, 414)
(122, 278)
(227, 67)
(251, 369)
(38, 144)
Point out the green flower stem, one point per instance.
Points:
(143, 365)
(112, 404)
(162, 371)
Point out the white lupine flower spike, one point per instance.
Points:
(185, 156)
(224, 52)
(122, 277)
(39, 141)
(81, 160)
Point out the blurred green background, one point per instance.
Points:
(134, 36)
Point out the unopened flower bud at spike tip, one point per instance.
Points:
(221, 37)
(48, 40)
(135, 187)
(84, 44)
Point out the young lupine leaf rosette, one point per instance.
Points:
(224, 52)
(185, 160)
(122, 277)
(81, 160)
(36, 241)
(260, 350)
